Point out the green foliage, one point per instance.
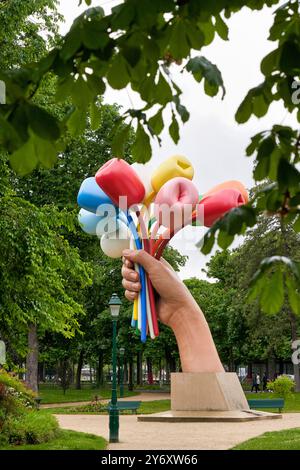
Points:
(81, 157)
(66, 440)
(51, 393)
(278, 440)
(134, 45)
(270, 287)
(22, 26)
(250, 333)
(146, 407)
(42, 276)
(203, 68)
(19, 423)
(232, 223)
(32, 428)
(16, 389)
(15, 399)
(282, 386)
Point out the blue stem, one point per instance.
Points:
(142, 278)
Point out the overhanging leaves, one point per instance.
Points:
(201, 68)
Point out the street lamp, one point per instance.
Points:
(122, 351)
(114, 305)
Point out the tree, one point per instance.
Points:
(23, 25)
(137, 44)
(265, 336)
(41, 276)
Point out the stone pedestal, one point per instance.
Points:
(207, 391)
(207, 397)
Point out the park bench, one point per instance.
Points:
(37, 402)
(127, 405)
(267, 403)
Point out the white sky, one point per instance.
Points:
(211, 139)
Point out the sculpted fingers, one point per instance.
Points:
(129, 274)
(130, 295)
(131, 286)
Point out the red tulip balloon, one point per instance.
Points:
(217, 204)
(121, 183)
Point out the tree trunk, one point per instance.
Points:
(78, 371)
(271, 367)
(125, 372)
(41, 372)
(172, 364)
(100, 370)
(231, 362)
(149, 371)
(139, 368)
(280, 366)
(167, 375)
(32, 359)
(294, 334)
(130, 378)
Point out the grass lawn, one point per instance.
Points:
(279, 440)
(147, 407)
(66, 440)
(50, 394)
(291, 405)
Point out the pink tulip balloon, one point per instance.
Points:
(175, 202)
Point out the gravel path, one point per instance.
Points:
(167, 436)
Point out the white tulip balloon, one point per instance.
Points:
(113, 244)
(144, 172)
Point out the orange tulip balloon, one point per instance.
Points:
(232, 184)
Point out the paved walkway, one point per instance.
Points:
(168, 436)
(141, 397)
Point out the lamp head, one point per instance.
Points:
(114, 305)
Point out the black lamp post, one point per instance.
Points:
(114, 305)
(122, 351)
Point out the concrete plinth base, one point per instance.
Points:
(207, 397)
(207, 391)
(208, 416)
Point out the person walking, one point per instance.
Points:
(257, 383)
(254, 383)
(265, 382)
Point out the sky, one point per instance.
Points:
(211, 139)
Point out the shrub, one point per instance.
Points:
(19, 422)
(12, 386)
(283, 386)
(40, 427)
(32, 428)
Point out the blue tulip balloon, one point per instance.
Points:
(101, 224)
(91, 196)
(88, 221)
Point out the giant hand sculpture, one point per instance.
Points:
(116, 206)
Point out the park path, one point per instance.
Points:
(137, 435)
(144, 396)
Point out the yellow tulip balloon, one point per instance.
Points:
(173, 167)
